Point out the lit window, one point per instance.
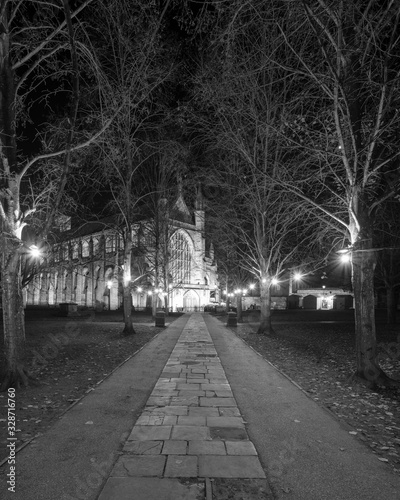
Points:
(180, 259)
(85, 248)
(110, 244)
(96, 245)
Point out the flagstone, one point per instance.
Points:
(139, 465)
(189, 432)
(230, 466)
(174, 447)
(150, 432)
(181, 466)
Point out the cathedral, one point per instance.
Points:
(85, 265)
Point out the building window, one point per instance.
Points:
(96, 246)
(85, 248)
(75, 250)
(110, 244)
(180, 259)
(64, 251)
(56, 253)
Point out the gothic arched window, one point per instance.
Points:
(180, 259)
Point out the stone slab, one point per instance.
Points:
(189, 432)
(206, 448)
(170, 420)
(141, 488)
(229, 412)
(217, 402)
(240, 448)
(181, 466)
(150, 433)
(150, 420)
(230, 466)
(143, 447)
(188, 393)
(158, 401)
(185, 401)
(229, 433)
(203, 411)
(139, 466)
(174, 447)
(168, 410)
(191, 420)
(225, 422)
(216, 387)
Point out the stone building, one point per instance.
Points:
(86, 265)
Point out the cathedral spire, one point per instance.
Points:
(199, 209)
(199, 203)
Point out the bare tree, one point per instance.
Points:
(243, 98)
(41, 60)
(137, 68)
(346, 132)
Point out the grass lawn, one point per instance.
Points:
(313, 348)
(68, 357)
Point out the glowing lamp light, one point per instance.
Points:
(345, 257)
(252, 286)
(297, 276)
(34, 251)
(149, 292)
(140, 289)
(244, 291)
(109, 284)
(274, 281)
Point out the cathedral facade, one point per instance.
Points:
(176, 271)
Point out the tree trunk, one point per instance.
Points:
(14, 374)
(154, 301)
(127, 303)
(265, 327)
(367, 368)
(128, 328)
(239, 309)
(166, 305)
(391, 305)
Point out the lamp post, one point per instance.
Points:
(170, 306)
(239, 314)
(109, 285)
(345, 257)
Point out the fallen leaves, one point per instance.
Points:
(77, 368)
(320, 359)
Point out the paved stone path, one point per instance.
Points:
(191, 430)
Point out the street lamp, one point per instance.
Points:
(34, 251)
(109, 285)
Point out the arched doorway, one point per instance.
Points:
(191, 301)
